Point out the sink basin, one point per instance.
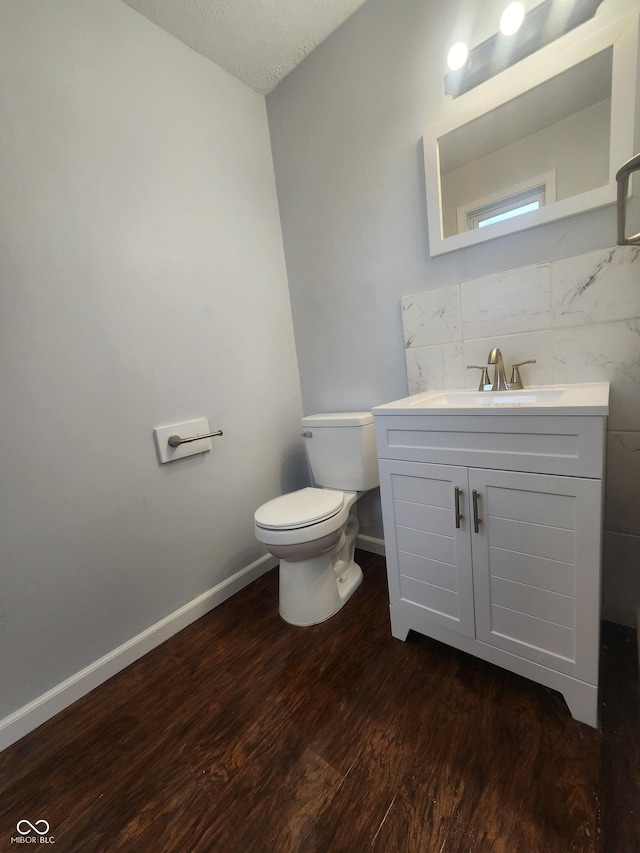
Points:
(496, 398)
(588, 398)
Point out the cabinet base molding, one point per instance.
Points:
(581, 697)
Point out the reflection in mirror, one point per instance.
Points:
(550, 143)
(537, 146)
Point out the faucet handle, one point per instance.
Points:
(485, 383)
(516, 379)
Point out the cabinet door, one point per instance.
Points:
(536, 563)
(428, 548)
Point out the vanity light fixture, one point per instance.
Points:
(543, 24)
(511, 19)
(457, 56)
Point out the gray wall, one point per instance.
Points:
(346, 132)
(142, 282)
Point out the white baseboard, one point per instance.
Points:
(371, 544)
(30, 716)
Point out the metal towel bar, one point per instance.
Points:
(622, 177)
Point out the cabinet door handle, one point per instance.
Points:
(459, 515)
(476, 516)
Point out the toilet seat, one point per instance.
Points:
(299, 509)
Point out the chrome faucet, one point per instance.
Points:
(499, 378)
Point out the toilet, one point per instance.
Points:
(313, 531)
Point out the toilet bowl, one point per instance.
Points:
(313, 531)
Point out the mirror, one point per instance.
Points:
(538, 143)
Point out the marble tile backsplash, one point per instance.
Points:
(580, 319)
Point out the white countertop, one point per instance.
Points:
(582, 399)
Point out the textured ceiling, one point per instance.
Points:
(257, 41)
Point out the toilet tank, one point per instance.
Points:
(341, 449)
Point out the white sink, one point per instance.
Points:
(496, 398)
(589, 398)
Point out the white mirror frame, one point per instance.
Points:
(575, 47)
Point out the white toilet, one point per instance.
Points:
(313, 531)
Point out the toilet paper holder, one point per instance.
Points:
(176, 441)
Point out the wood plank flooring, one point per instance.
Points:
(243, 733)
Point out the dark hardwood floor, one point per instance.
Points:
(243, 733)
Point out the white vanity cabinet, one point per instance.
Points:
(492, 528)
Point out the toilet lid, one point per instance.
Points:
(300, 509)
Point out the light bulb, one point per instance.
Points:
(512, 19)
(457, 56)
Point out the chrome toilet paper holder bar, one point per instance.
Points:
(176, 441)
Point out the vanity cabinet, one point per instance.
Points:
(498, 556)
